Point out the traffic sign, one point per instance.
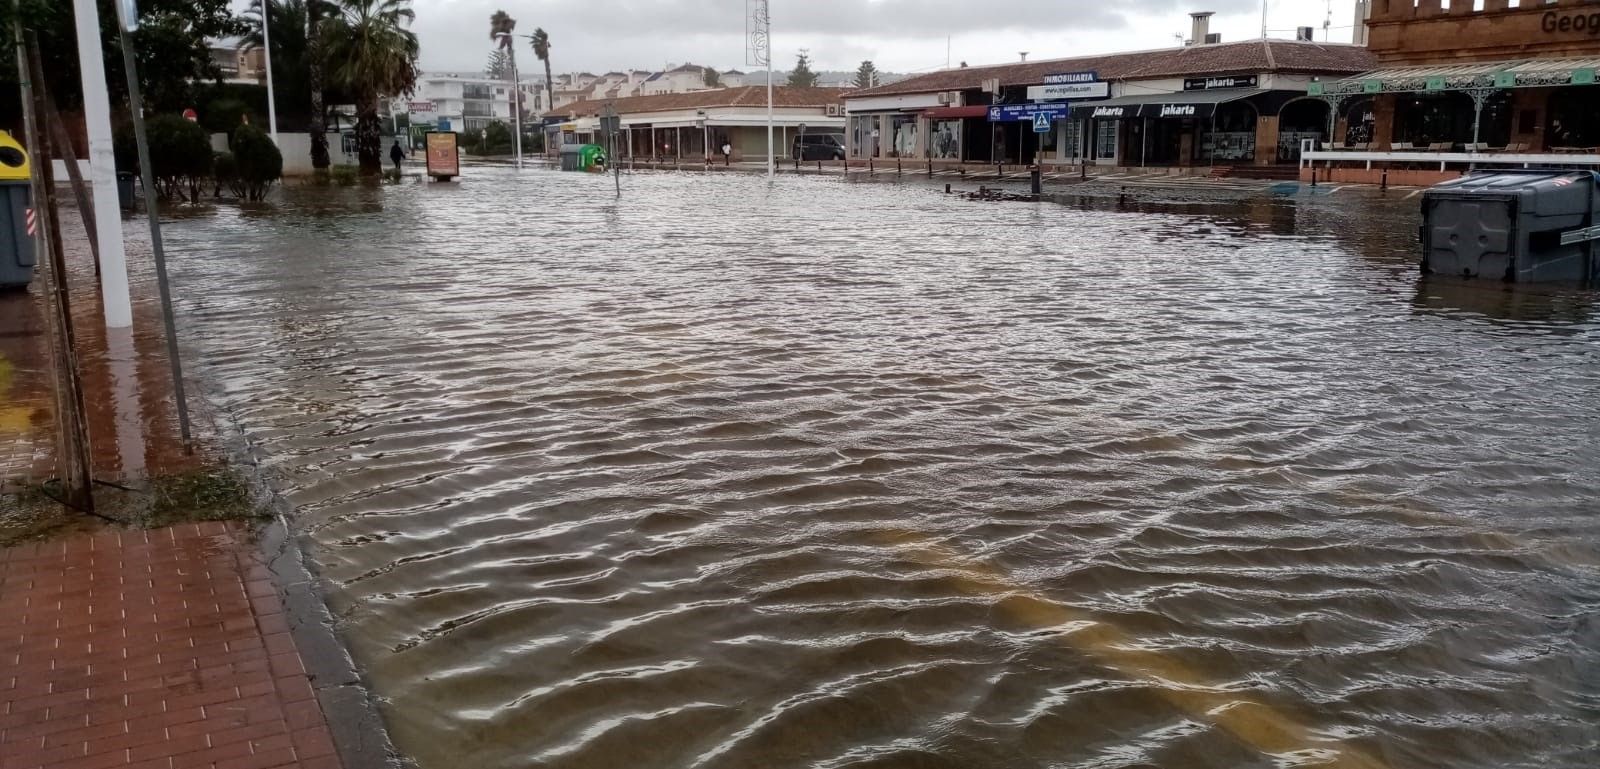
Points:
(191, 116)
(1041, 122)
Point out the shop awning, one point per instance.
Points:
(1514, 73)
(1201, 104)
(955, 112)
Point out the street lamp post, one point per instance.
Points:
(266, 53)
(516, 93)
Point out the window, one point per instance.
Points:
(944, 143)
(1105, 139)
(1072, 140)
(903, 130)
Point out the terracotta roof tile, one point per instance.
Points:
(745, 96)
(1286, 56)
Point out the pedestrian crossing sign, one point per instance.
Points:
(1041, 122)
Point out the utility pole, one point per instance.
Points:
(114, 294)
(266, 51)
(772, 151)
(1263, 22)
(516, 92)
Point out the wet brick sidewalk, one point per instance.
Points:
(165, 648)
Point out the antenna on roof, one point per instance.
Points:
(1327, 23)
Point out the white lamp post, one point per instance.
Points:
(516, 92)
(102, 167)
(266, 52)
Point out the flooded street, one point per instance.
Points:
(823, 474)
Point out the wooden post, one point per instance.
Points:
(59, 138)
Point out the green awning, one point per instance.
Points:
(1516, 73)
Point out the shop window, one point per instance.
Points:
(945, 141)
(1072, 140)
(1574, 120)
(1428, 119)
(1105, 139)
(1360, 118)
(1230, 137)
(903, 135)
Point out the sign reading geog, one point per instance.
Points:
(1070, 85)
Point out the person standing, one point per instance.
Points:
(727, 153)
(397, 154)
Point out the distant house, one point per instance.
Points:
(693, 125)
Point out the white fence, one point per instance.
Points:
(1309, 156)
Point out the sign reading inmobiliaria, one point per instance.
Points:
(1070, 85)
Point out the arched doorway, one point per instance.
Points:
(1360, 119)
(1299, 120)
(1229, 138)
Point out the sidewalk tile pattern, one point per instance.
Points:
(165, 648)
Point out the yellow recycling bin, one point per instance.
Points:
(16, 216)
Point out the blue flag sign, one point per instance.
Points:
(1008, 113)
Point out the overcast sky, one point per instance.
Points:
(898, 35)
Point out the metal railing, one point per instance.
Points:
(1310, 156)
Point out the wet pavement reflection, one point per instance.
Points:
(827, 474)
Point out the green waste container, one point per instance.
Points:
(16, 244)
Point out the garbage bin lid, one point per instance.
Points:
(13, 160)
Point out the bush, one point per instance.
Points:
(225, 170)
(344, 176)
(180, 156)
(258, 160)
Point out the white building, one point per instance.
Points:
(469, 101)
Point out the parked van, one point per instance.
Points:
(819, 147)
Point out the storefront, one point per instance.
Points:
(1200, 127)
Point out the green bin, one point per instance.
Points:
(16, 244)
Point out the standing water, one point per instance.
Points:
(812, 474)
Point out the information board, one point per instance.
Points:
(444, 158)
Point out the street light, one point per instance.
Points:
(506, 40)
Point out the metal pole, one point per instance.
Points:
(114, 292)
(516, 99)
(772, 158)
(72, 433)
(266, 48)
(153, 213)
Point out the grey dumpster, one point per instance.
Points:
(1525, 226)
(571, 157)
(16, 245)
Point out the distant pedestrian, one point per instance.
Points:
(396, 154)
(727, 153)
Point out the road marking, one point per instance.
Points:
(1250, 722)
(1412, 195)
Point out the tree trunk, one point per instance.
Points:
(369, 141)
(319, 118)
(549, 91)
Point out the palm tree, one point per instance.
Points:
(289, 51)
(316, 53)
(371, 54)
(501, 25)
(541, 49)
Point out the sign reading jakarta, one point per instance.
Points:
(1070, 85)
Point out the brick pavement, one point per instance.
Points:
(165, 648)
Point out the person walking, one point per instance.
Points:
(727, 153)
(397, 154)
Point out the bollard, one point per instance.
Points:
(963, 172)
(819, 166)
(999, 170)
(897, 166)
(870, 169)
(1083, 171)
(1313, 176)
(930, 168)
(1037, 180)
(947, 188)
(797, 164)
(1385, 184)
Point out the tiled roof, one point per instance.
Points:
(748, 96)
(1286, 56)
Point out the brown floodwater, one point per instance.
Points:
(730, 473)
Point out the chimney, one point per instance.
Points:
(1023, 54)
(1305, 34)
(1201, 28)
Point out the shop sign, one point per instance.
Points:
(1554, 22)
(1053, 92)
(1583, 76)
(1072, 77)
(1371, 86)
(1008, 113)
(1173, 110)
(1108, 113)
(1435, 83)
(421, 107)
(1315, 89)
(1505, 80)
(1213, 83)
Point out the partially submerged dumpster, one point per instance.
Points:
(1525, 226)
(581, 157)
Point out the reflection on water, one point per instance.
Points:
(827, 475)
